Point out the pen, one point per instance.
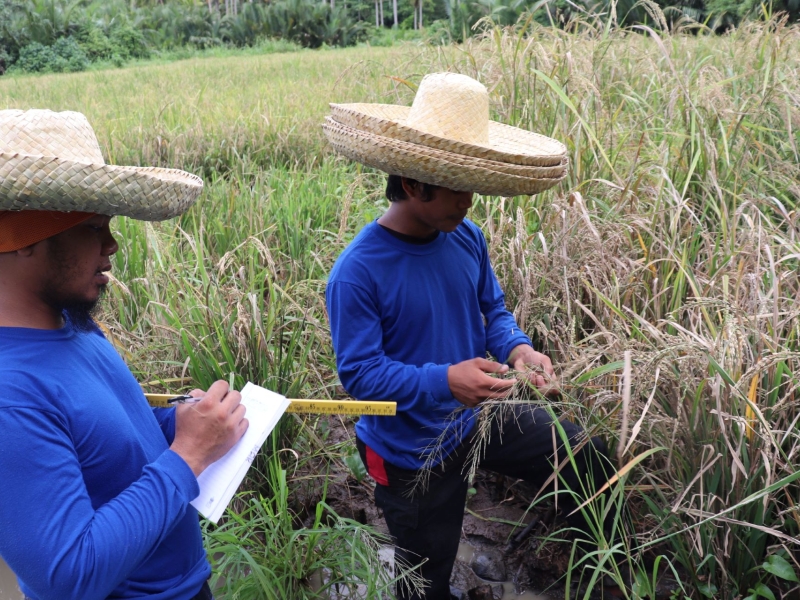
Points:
(185, 399)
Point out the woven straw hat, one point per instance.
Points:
(52, 161)
(446, 138)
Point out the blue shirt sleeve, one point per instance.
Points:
(81, 551)
(364, 369)
(502, 332)
(166, 420)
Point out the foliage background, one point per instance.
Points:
(64, 35)
(674, 242)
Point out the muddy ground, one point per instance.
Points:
(531, 564)
(495, 502)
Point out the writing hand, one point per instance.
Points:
(206, 430)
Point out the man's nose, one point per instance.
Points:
(465, 200)
(110, 245)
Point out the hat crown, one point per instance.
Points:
(451, 106)
(65, 135)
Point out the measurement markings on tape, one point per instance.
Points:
(348, 407)
(158, 400)
(308, 406)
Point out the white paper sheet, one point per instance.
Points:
(219, 482)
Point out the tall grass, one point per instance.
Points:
(674, 238)
(262, 553)
(213, 116)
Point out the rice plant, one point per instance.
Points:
(674, 239)
(261, 553)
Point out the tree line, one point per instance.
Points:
(63, 35)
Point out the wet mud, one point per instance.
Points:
(511, 560)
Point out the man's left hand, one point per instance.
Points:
(536, 366)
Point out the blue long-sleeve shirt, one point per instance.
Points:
(93, 504)
(400, 315)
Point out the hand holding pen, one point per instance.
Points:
(206, 431)
(189, 399)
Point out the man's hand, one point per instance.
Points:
(536, 366)
(470, 384)
(206, 430)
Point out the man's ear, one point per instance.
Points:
(35, 248)
(411, 187)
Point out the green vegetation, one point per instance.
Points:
(112, 33)
(43, 36)
(674, 240)
(262, 552)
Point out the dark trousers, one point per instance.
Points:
(426, 523)
(204, 593)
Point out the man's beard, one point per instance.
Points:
(78, 313)
(81, 314)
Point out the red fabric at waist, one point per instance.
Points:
(376, 468)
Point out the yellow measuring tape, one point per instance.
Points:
(318, 407)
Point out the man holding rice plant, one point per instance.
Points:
(415, 307)
(96, 485)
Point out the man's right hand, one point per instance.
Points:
(206, 430)
(470, 384)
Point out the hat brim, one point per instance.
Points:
(438, 167)
(29, 182)
(509, 145)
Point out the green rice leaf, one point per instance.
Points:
(780, 568)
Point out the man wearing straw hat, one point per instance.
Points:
(96, 485)
(414, 307)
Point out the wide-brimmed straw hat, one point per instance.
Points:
(52, 161)
(446, 138)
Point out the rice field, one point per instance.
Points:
(660, 276)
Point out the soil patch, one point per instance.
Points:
(497, 513)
